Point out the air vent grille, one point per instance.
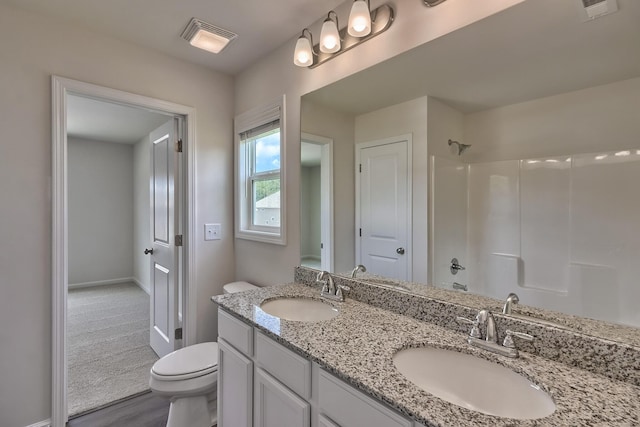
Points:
(195, 24)
(591, 9)
(588, 3)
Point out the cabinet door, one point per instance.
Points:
(276, 405)
(326, 422)
(235, 383)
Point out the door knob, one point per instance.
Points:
(400, 251)
(148, 251)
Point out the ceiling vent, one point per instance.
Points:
(207, 36)
(592, 9)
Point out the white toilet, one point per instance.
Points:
(189, 377)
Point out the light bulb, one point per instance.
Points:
(303, 56)
(329, 37)
(359, 19)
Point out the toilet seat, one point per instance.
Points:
(188, 362)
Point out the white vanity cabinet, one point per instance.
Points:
(261, 383)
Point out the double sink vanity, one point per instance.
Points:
(384, 357)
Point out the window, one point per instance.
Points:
(259, 175)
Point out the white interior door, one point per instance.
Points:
(164, 227)
(384, 210)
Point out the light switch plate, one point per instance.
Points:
(212, 232)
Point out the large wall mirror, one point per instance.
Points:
(503, 157)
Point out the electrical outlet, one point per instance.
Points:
(212, 232)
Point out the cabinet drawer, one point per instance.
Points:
(235, 332)
(289, 368)
(349, 407)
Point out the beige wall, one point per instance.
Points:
(275, 75)
(585, 121)
(141, 212)
(310, 238)
(100, 211)
(340, 128)
(32, 48)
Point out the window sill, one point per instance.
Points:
(261, 236)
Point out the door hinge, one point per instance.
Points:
(178, 239)
(179, 146)
(360, 167)
(178, 334)
(361, 232)
(321, 246)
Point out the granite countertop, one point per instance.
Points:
(359, 343)
(607, 330)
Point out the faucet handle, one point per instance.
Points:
(508, 339)
(339, 289)
(475, 330)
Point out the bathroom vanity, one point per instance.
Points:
(340, 372)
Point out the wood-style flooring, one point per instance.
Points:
(146, 410)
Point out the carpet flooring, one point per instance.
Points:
(108, 351)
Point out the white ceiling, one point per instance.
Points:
(261, 25)
(534, 49)
(108, 122)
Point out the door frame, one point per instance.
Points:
(61, 88)
(326, 197)
(375, 143)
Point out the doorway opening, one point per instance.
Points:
(316, 214)
(102, 281)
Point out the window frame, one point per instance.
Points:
(246, 176)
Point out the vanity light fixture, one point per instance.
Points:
(330, 36)
(207, 36)
(360, 19)
(303, 55)
(363, 25)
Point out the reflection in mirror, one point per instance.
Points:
(316, 202)
(543, 200)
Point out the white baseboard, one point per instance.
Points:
(141, 286)
(101, 283)
(45, 423)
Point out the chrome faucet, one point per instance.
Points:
(512, 300)
(485, 317)
(360, 268)
(490, 340)
(329, 289)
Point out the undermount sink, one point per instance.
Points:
(473, 383)
(300, 309)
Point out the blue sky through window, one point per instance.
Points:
(268, 152)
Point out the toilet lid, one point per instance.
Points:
(197, 359)
(233, 287)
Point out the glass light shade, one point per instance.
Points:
(303, 55)
(329, 37)
(359, 19)
(209, 41)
